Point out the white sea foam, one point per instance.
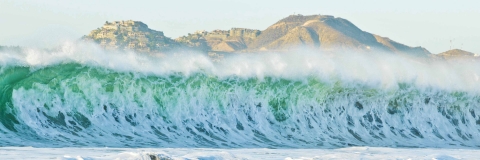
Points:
(234, 154)
(375, 69)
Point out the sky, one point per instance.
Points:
(437, 25)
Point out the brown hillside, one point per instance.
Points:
(457, 53)
(235, 39)
(318, 32)
(327, 33)
(130, 35)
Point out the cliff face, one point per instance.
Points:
(132, 35)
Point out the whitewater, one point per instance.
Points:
(272, 105)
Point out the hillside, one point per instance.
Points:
(235, 39)
(134, 35)
(318, 32)
(456, 53)
(326, 33)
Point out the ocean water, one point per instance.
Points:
(236, 154)
(84, 99)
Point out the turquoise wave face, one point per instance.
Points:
(72, 104)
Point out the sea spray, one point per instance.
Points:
(83, 96)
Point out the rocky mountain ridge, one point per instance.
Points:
(327, 33)
(235, 39)
(316, 32)
(133, 35)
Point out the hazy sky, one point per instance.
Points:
(427, 23)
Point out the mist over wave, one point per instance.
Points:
(376, 69)
(81, 95)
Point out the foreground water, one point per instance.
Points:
(235, 154)
(81, 96)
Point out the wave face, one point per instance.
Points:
(82, 96)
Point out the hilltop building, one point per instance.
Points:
(132, 35)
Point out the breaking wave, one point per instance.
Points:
(83, 96)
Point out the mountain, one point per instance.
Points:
(318, 32)
(134, 35)
(456, 53)
(235, 39)
(326, 33)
